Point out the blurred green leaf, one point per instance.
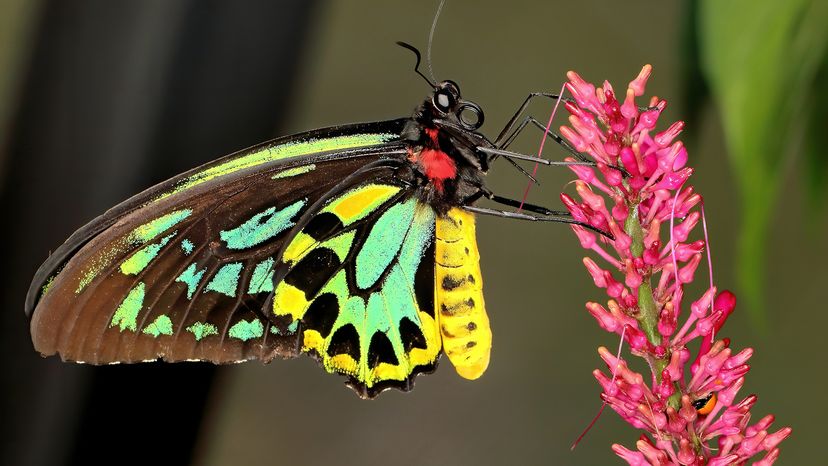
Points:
(760, 58)
(816, 142)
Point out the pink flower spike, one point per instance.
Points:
(704, 427)
(638, 84)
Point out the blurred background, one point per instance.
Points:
(101, 99)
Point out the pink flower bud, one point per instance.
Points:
(628, 108)
(768, 459)
(686, 454)
(633, 458)
(630, 162)
(620, 212)
(675, 179)
(687, 411)
(763, 424)
(606, 320)
(594, 201)
(774, 439)
(664, 138)
(727, 395)
(700, 307)
(598, 274)
(723, 460)
(682, 231)
(686, 273)
(613, 176)
(576, 140)
(638, 84)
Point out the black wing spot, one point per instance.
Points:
(323, 225)
(471, 344)
(322, 313)
(470, 278)
(471, 326)
(345, 340)
(424, 281)
(411, 335)
(313, 271)
(381, 350)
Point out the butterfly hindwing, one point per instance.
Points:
(184, 270)
(359, 277)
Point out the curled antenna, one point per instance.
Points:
(416, 65)
(431, 38)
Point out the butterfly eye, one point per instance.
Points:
(470, 115)
(443, 101)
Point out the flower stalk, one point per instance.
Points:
(688, 405)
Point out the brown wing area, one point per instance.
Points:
(181, 278)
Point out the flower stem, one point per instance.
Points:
(648, 312)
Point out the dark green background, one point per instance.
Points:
(538, 393)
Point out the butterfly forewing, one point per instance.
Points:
(184, 272)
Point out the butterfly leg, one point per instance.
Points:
(535, 218)
(546, 215)
(511, 123)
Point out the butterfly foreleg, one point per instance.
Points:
(507, 129)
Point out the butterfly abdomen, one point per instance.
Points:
(458, 295)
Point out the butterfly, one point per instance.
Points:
(354, 244)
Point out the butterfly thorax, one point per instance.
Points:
(441, 148)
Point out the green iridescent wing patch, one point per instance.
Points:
(366, 311)
(185, 270)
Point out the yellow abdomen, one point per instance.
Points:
(458, 295)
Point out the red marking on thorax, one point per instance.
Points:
(438, 166)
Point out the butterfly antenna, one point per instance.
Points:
(416, 65)
(431, 38)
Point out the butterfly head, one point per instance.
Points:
(447, 106)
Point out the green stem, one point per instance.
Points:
(647, 310)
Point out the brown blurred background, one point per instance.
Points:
(101, 99)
